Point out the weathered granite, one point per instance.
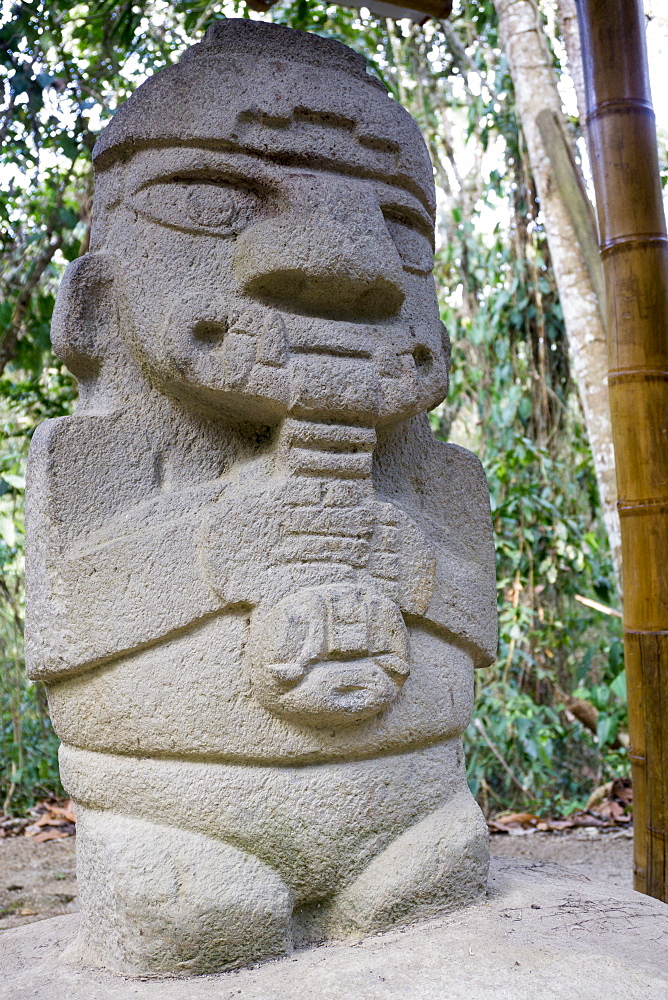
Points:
(257, 586)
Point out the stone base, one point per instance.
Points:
(542, 932)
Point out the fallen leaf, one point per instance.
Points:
(622, 789)
(599, 795)
(522, 818)
(513, 822)
(47, 820)
(66, 811)
(40, 838)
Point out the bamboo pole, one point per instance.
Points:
(634, 252)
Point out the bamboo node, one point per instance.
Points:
(643, 506)
(630, 242)
(637, 375)
(620, 106)
(645, 631)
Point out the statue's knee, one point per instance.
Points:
(159, 900)
(437, 865)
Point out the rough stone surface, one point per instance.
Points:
(257, 586)
(541, 932)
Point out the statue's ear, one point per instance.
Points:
(85, 323)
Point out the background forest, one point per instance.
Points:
(550, 716)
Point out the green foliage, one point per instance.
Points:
(64, 68)
(28, 746)
(513, 400)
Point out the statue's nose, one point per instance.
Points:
(328, 254)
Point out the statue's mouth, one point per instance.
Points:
(304, 335)
(270, 363)
(338, 693)
(334, 350)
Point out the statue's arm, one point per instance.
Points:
(444, 489)
(464, 597)
(101, 582)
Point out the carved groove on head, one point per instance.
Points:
(276, 92)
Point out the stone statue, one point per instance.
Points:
(258, 586)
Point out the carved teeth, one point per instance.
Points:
(337, 450)
(345, 466)
(327, 437)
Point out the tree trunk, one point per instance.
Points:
(568, 21)
(537, 96)
(634, 251)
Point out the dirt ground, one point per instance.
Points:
(39, 880)
(606, 856)
(36, 880)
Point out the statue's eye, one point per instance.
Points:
(200, 204)
(411, 241)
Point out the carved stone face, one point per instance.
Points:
(277, 260)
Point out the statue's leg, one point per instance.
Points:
(158, 900)
(435, 866)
